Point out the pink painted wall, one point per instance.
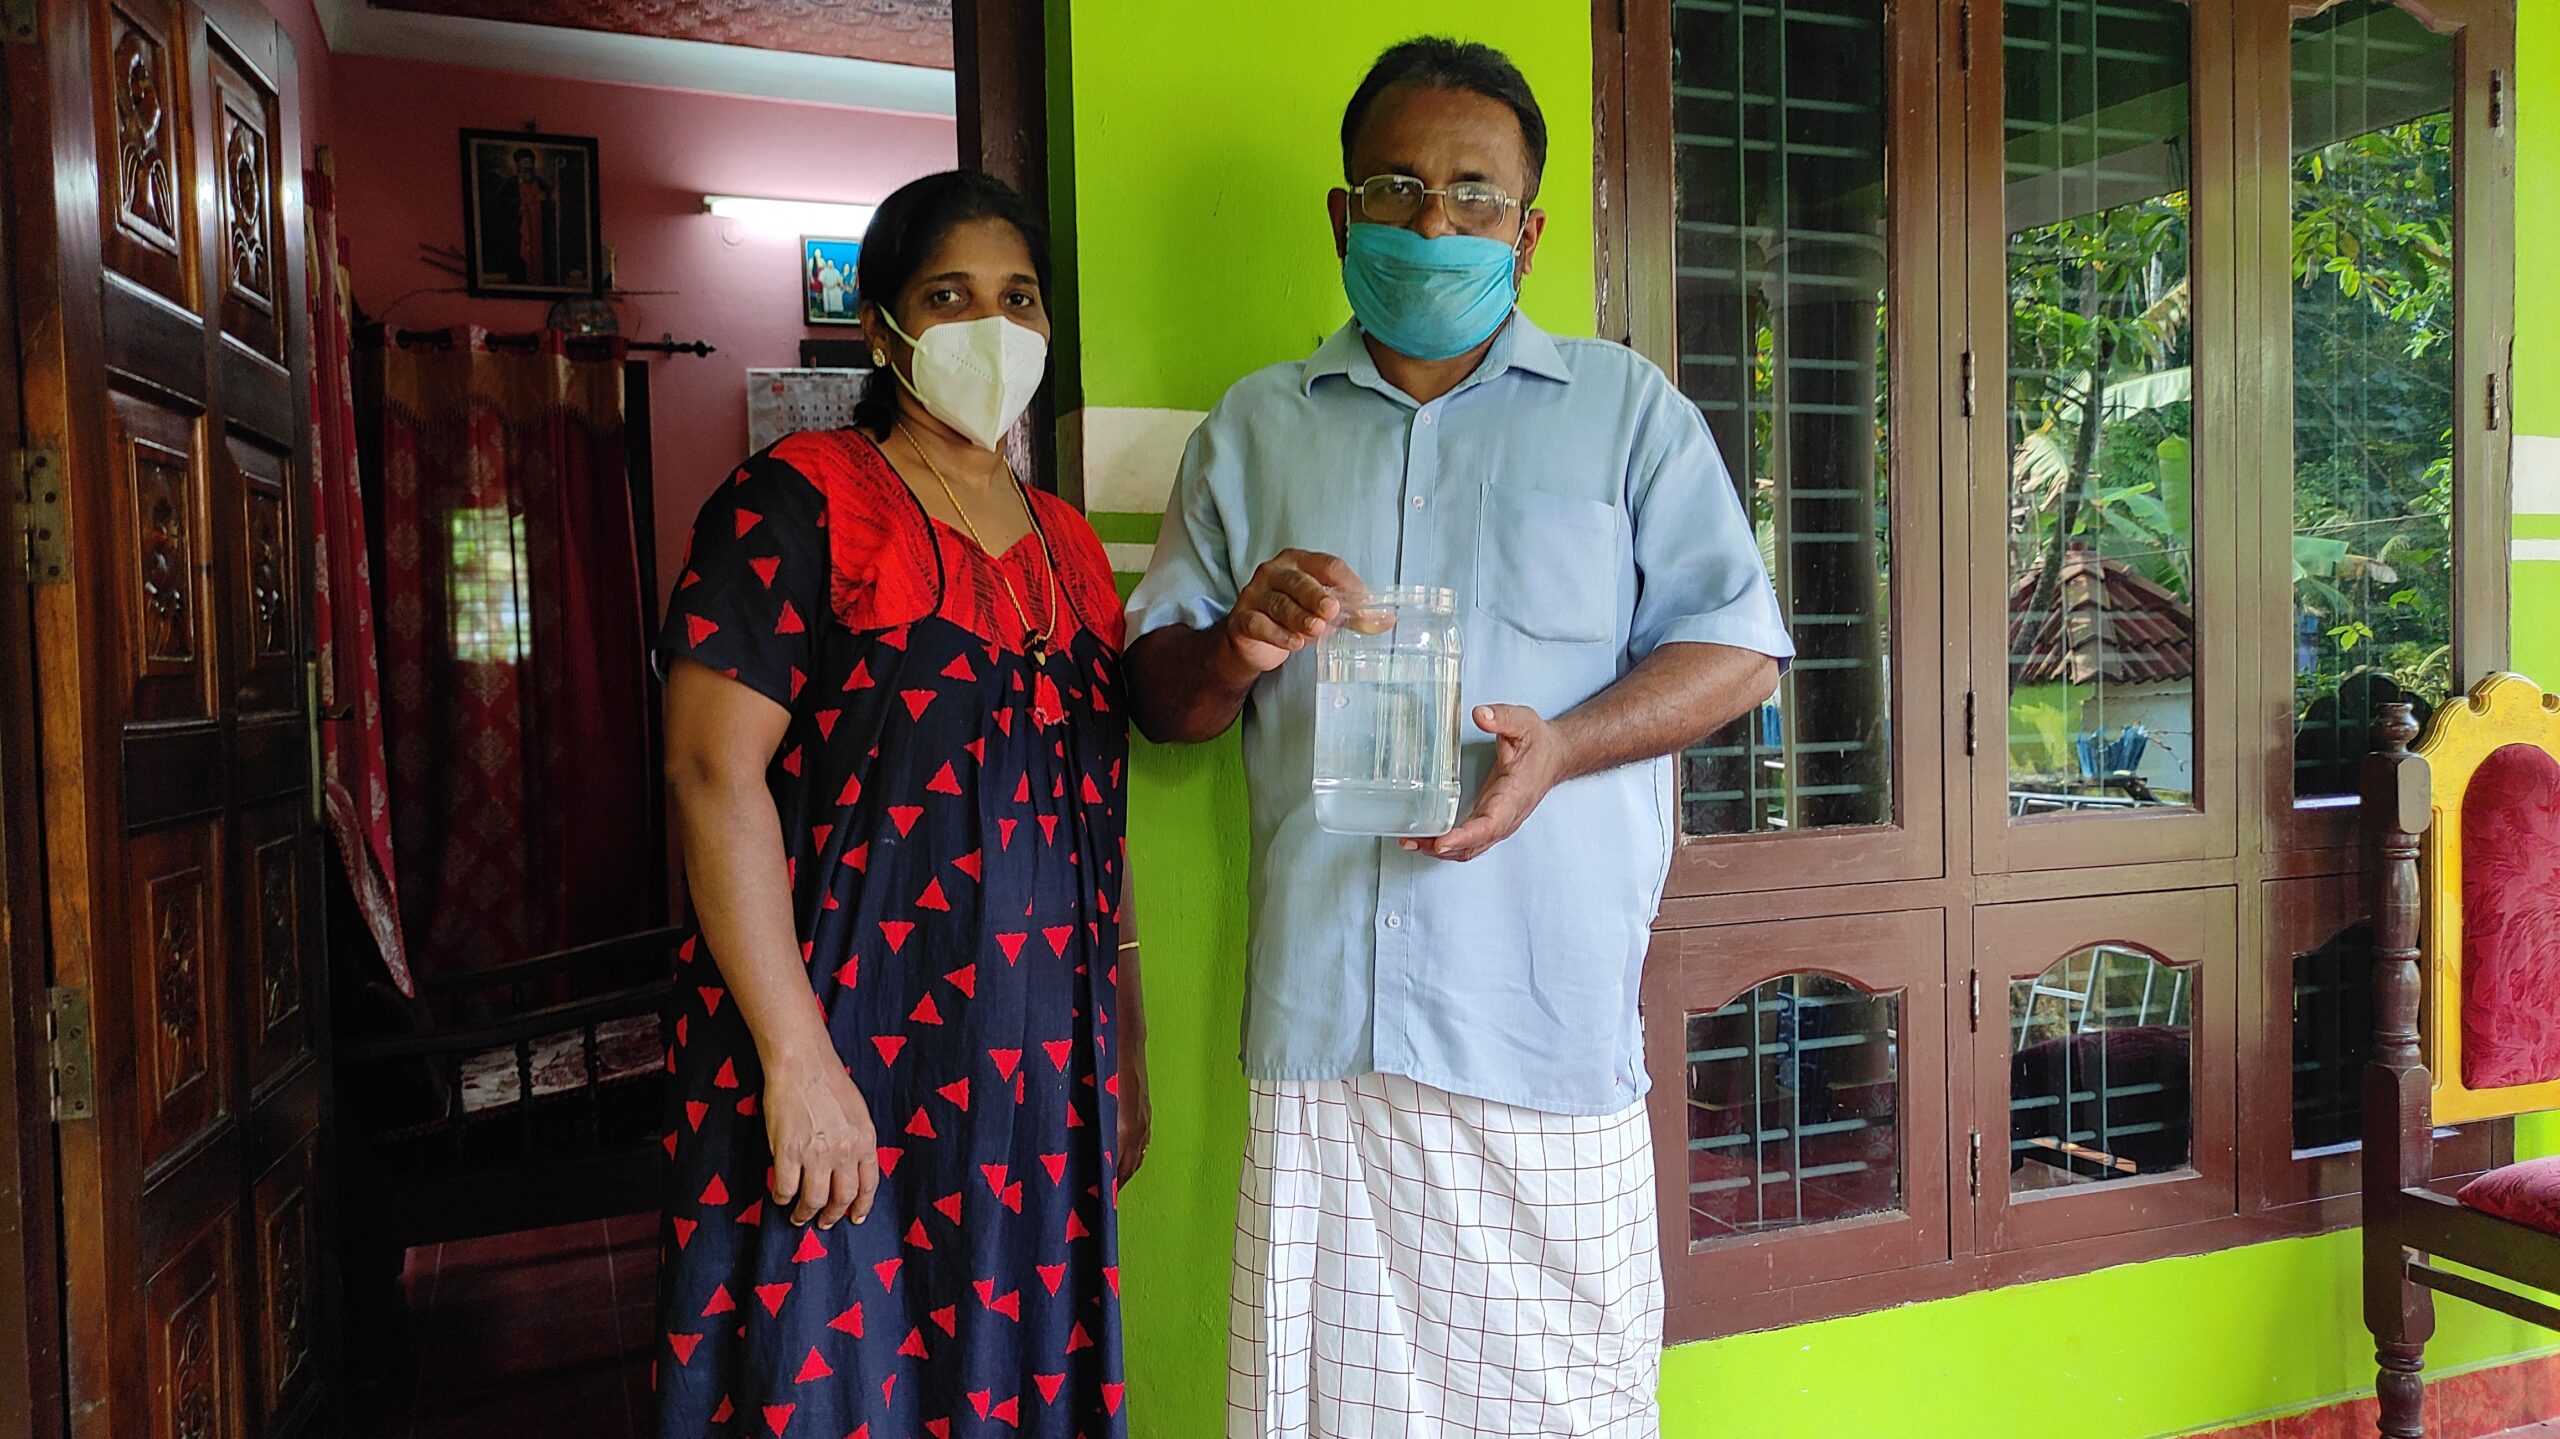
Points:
(659, 152)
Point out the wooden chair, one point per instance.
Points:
(2466, 1006)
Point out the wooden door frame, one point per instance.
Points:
(30, 1332)
(1000, 91)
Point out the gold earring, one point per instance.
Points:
(879, 356)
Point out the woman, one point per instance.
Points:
(908, 1062)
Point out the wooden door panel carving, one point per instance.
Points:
(266, 618)
(165, 560)
(143, 152)
(286, 1261)
(190, 1304)
(169, 363)
(179, 976)
(244, 124)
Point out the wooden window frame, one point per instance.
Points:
(1952, 856)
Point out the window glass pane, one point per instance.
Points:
(2100, 533)
(2100, 1084)
(1779, 119)
(2373, 379)
(2332, 1038)
(1792, 1091)
(488, 621)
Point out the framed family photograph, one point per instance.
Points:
(826, 281)
(530, 228)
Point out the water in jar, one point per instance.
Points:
(1386, 760)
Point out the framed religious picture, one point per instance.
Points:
(827, 295)
(530, 229)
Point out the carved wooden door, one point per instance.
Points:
(157, 188)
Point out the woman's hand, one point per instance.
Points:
(1137, 1119)
(826, 1162)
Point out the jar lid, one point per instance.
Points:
(1416, 597)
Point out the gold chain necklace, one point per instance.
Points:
(1035, 641)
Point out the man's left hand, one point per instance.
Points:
(1529, 759)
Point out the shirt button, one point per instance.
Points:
(1426, 417)
(1395, 921)
(1418, 502)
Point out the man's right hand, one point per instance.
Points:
(1286, 606)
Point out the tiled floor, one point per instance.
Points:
(544, 1332)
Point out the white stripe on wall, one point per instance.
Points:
(1129, 559)
(1125, 457)
(2536, 550)
(2537, 475)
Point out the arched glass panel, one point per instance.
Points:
(2100, 1074)
(1793, 1095)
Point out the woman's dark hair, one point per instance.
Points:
(1443, 64)
(905, 231)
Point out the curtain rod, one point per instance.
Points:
(530, 339)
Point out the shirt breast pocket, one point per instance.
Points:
(1547, 564)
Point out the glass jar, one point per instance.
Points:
(1387, 715)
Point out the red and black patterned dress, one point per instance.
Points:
(954, 817)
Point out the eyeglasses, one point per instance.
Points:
(1473, 205)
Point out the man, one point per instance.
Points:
(1446, 1226)
(536, 220)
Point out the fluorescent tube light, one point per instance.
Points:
(797, 217)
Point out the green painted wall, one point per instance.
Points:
(1203, 138)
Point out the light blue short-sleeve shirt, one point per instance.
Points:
(1577, 505)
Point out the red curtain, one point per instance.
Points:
(356, 780)
(513, 648)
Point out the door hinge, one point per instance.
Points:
(2497, 95)
(1973, 1163)
(1965, 368)
(1968, 721)
(75, 1057)
(40, 485)
(1973, 982)
(2495, 418)
(17, 21)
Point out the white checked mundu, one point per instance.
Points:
(1412, 1264)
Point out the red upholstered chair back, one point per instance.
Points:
(2490, 942)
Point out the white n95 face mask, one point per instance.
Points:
(977, 376)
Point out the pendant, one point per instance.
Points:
(1036, 647)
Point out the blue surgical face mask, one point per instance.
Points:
(1428, 298)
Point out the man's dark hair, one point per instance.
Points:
(1444, 64)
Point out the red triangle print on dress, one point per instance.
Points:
(970, 864)
(888, 1155)
(1052, 1275)
(1013, 1196)
(726, 1410)
(959, 669)
(813, 1367)
(949, 1204)
(916, 702)
(715, 1192)
(849, 973)
(912, 1347)
(697, 629)
(1058, 936)
(1008, 1409)
(1075, 1227)
(861, 678)
(896, 931)
(932, 897)
(1078, 1339)
(1111, 1395)
(747, 1106)
(1056, 1164)
(858, 857)
(895, 639)
(1005, 1060)
(965, 980)
(1008, 1304)
(916, 1237)
(938, 1428)
(766, 567)
(847, 797)
(727, 1078)
(1004, 720)
(947, 1318)
(977, 749)
(887, 1272)
(1058, 1050)
(791, 762)
(684, 1231)
(777, 1417)
(922, 1126)
(1049, 828)
(695, 1111)
(1011, 944)
(945, 780)
(926, 1011)
(957, 1091)
(994, 1175)
(888, 1045)
(773, 1295)
(710, 997)
(811, 1247)
(1049, 1384)
(850, 1321)
(905, 817)
(753, 1214)
(720, 1303)
(1004, 832)
(789, 623)
(746, 520)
